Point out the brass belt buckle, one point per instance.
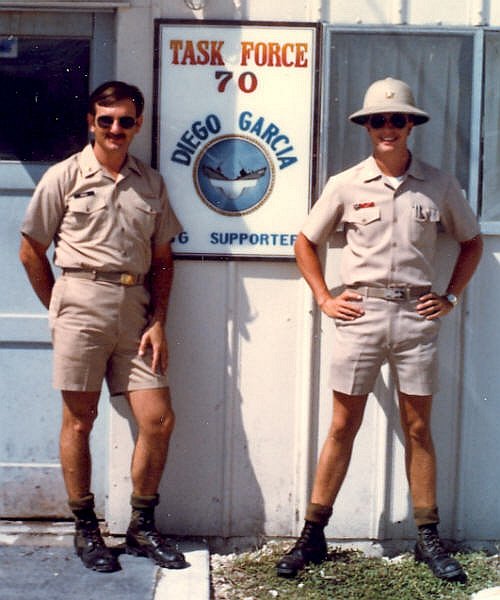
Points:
(395, 293)
(127, 279)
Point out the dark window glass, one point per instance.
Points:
(491, 129)
(44, 91)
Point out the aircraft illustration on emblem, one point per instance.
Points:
(232, 188)
(233, 175)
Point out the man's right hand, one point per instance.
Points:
(347, 306)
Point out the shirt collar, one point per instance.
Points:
(132, 163)
(415, 169)
(89, 164)
(370, 170)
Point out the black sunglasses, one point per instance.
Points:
(397, 120)
(105, 122)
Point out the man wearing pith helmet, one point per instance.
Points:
(390, 206)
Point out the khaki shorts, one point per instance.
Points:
(96, 329)
(389, 331)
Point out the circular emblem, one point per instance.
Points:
(233, 175)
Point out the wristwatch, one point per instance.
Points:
(452, 299)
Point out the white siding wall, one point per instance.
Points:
(248, 358)
(479, 467)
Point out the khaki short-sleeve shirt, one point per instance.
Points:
(390, 233)
(96, 222)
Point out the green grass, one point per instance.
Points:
(347, 575)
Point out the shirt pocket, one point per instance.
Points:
(424, 223)
(142, 213)
(362, 226)
(425, 214)
(362, 216)
(87, 213)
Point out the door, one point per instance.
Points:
(46, 69)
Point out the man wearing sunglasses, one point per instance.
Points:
(390, 206)
(108, 215)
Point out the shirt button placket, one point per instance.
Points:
(393, 224)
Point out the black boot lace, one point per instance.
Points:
(311, 535)
(145, 524)
(156, 537)
(89, 530)
(432, 544)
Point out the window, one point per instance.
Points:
(491, 129)
(45, 86)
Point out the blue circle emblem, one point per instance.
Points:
(233, 175)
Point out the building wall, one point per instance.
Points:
(249, 354)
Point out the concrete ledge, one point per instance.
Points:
(36, 533)
(186, 584)
(44, 539)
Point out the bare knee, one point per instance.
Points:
(415, 413)
(343, 431)
(79, 412)
(347, 417)
(167, 422)
(79, 425)
(160, 426)
(153, 412)
(418, 433)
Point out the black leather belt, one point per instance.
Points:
(393, 292)
(126, 279)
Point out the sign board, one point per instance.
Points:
(235, 116)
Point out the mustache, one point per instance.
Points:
(115, 136)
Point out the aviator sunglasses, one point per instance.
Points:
(397, 120)
(105, 122)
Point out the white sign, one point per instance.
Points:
(234, 122)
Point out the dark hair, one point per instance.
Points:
(113, 91)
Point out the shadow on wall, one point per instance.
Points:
(210, 487)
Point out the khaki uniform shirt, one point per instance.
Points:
(390, 233)
(96, 222)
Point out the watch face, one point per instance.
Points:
(452, 298)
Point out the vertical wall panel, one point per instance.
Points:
(194, 487)
(360, 12)
(479, 509)
(438, 13)
(266, 374)
(491, 11)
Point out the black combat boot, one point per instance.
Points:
(310, 548)
(89, 544)
(430, 551)
(143, 539)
